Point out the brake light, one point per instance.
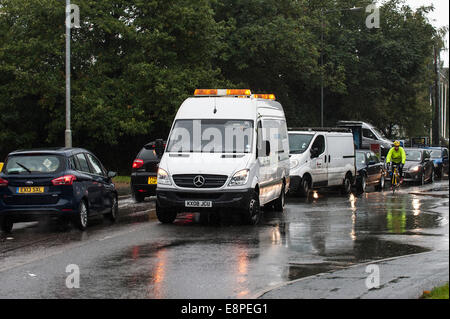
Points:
(264, 96)
(64, 180)
(223, 92)
(3, 182)
(138, 163)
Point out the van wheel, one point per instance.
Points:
(81, 219)
(112, 216)
(165, 216)
(280, 201)
(252, 213)
(347, 187)
(6, 225)
(305, 187)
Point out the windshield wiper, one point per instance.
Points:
(23, 166)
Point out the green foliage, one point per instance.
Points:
(135, 61)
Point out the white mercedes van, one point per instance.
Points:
(227, 150)
(321, 158)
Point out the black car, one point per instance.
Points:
(419, 167)
(145, 170)
(370, 171)
(70, 184)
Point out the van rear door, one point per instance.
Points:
(341, 157)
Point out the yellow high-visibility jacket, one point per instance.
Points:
(397, 157)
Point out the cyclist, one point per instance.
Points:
(398, 157)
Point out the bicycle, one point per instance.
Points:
(395, 178)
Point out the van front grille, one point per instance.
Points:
(210, 181)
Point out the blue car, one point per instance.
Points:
(70, 184)
(439, 155)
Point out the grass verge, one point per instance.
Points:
(122, 179)
(437, 293)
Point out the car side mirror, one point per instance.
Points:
(112, 174)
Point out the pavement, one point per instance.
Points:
(399, 279)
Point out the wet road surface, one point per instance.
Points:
(140, 258)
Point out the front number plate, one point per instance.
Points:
(198, 203)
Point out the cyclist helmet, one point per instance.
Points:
(396, 143)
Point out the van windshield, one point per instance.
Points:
(211, 136)
(298, 143)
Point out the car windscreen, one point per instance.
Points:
(436, 154)
(211, 136)
(415, 156)
(298, 143)
(34, 164)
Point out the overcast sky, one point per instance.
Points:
(439, 18)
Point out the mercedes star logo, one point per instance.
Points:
(199, 181)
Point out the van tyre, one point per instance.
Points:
(252, 213)
(165, 216)
(112, 216)
(305, 187)
(6, 225)
(280, 201)
(81, 218)
(347, 186)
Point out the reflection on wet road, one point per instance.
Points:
(141, 258)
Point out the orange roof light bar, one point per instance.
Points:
(264, 96)
(205, 92)
(239, 92)
(223, 92)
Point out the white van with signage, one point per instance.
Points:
(321, 158)
(227, 150)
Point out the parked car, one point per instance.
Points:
(70, 184)
(439, 156)
(145, 169)
(418, 167)
(370, 171)
(228, 149)
(370, 135)
(321, 158)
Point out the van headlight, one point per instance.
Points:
(163, 177)
(240, 178)
(294, 163)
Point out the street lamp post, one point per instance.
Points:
(68, 132)
(323, 12)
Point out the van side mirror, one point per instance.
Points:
(267, 144)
